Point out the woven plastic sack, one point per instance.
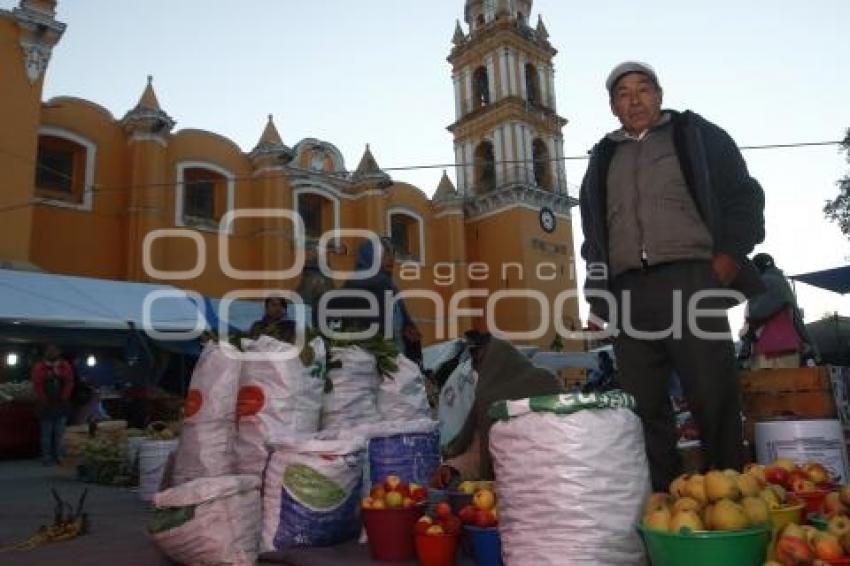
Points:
(208, 435)
(402, 394)
(353, 399)
(456, 400)
(311, 495)
(571, 477)
(278, 397)
(209, 521)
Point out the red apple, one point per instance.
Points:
(802, 485)
(377, 492)
(467, 515)
(827, 547)
(418, 493)
(796, 475)
(832, 505)
(793, 550)
(777, 475)
(442, 510)
(484, 518)
(423, 524)
(391, 483)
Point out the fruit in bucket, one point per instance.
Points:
(657, 499)
(392, 493)
(467, 487)
(756, 471)
(658, 519)
(832, 505)
(484, 499)
(802, 485)
(756, 510)
(785, 463)
(776, 475)
(817, 472)
(394, 500)
(686, 520)
(720, 485)
(839, 525)
(435, 530)
(467, 515)
(442, 509)
(485, 518)
(728, 516)
(826, 546)
(679, 485)
(695, 488)
(418, 493)
(748, 485)
(685, 504)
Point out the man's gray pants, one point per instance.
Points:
(706, 367)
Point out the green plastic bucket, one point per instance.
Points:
(708, 548)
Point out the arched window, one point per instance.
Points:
(406, 232)
(205, 192)
(485, 167)
(532, 84)
(480, 88)
(319, 211)
(520, 18)
(64, 168)
(542, 166)
(479, 21)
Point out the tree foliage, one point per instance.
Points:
(838, 209)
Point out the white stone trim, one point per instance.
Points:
(323, 190)
(448, 213)
(179, 193)
(147, 137)
(467, 86)
(459, 169)
(562, 170)
(510, 151)
(553, 164)
(511, 207)
(523, 60)
(512, 71)
(420, 222)
(87, 204)
(552, 101)
(543, 82)
(499, 155)
(469, 169)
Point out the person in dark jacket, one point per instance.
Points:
(52, 384)
(397, 324)
(274, 322)
(670, 210)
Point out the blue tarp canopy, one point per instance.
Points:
(836, 280)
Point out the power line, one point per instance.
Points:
(341, 174)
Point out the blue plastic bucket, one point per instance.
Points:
(412, 457)
(486, 546)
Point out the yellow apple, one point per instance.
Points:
(719, 485)
(656, 499)
(686, 504)
(484, 499)
(757, 471)
(678, 486)
(728, 516)
(467, 487)
(695, 488)
(748, 485)
(658, 519)
(786, 464)
(756, 509)
(686, 520)
(394, 500)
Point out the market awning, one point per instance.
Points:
(81, 302)
(836, 280)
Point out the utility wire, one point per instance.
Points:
(341, 174)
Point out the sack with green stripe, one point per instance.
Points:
(571, 475)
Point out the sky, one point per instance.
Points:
(375, 71)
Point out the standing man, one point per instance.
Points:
(668, 210)
(52, 384)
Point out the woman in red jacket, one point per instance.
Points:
(52, 383)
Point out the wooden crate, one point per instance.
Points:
(804, 393)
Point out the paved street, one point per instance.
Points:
(117, 519)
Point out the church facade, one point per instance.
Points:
(132, 198)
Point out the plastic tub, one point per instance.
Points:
(390, 533)
(784, 515)
(812, 499)
(707, 548)
(436, 550)
(804, 441)
(486, 545)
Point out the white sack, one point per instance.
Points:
(208, 436)
(456, 399)
(225, 528)
(355, 387)
(402, 394)
(292, 397)
(570, 486)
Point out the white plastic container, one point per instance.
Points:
(153, 458)
(804, 441)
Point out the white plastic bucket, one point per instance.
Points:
(804, 441)
(153, 457)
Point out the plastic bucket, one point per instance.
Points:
(153, 457)
(390, 533)
(436, 550)
(804, 441)
(784, 515)
(812, 500)
(486, 546)
(412, 457)
(741, 548)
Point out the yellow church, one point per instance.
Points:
(131, 198)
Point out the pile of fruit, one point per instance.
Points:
(441, 522)
(799, 479)
(805, 544)
(482, 512)
(718, 501)
(393, 493)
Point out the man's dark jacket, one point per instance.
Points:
(730, 202)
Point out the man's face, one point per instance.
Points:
(636, 101)
(274, 308)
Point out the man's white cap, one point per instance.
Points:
(630, 67)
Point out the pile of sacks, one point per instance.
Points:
(275, 448)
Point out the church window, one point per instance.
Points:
(310, 209)
(406, 234)
(485, 167)
(480, 88)
(532, 84)
(205, 192)
(60, 169)
(479, 21)
(542, 165)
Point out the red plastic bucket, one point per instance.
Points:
(436, 550)
(812, 500)
(390, 533)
